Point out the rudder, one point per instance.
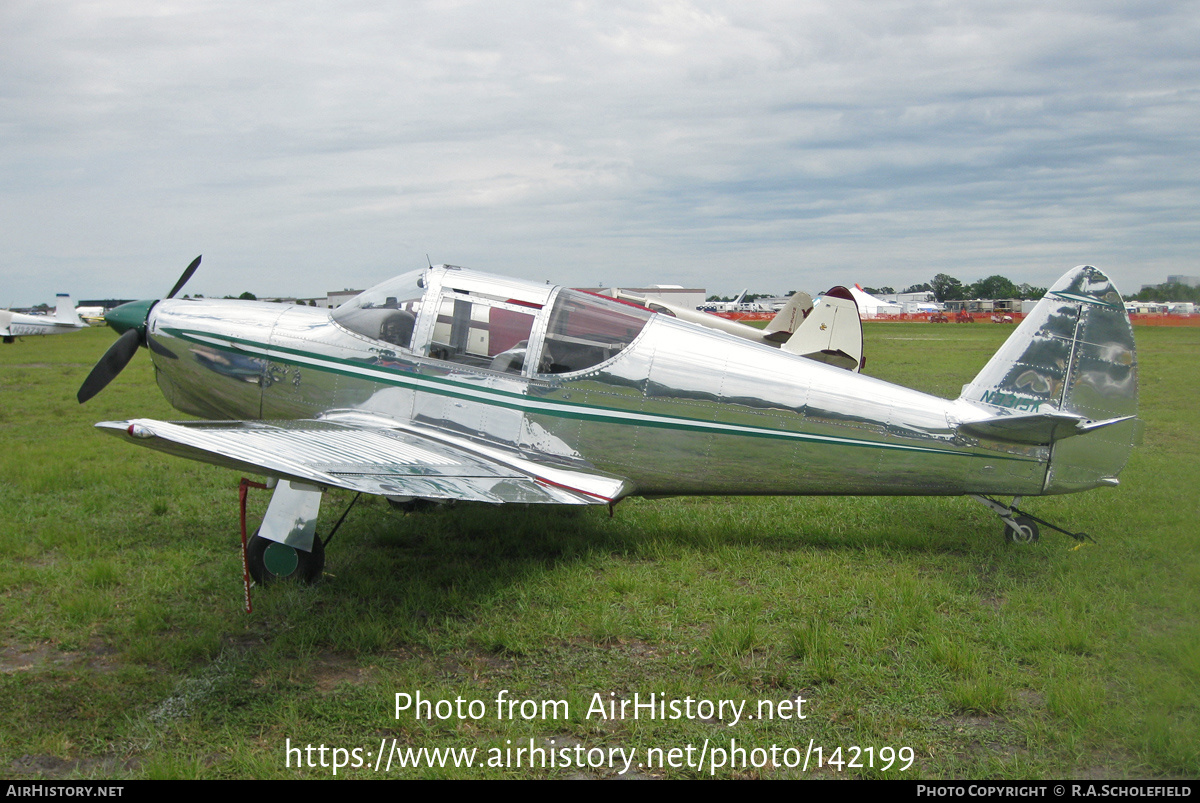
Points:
(1073, 354)
(64, 310)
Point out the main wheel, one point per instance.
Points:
(270, 561)
(1026, 532)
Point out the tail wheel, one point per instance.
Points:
(269, 561)
(1026, 531)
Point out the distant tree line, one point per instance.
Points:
(947, 288)
(248, 296)
(749, 299)
(1169, 291)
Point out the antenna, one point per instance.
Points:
(428, 260)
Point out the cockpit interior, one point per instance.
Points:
(491, 323)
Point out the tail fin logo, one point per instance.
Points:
(1085, 299)
(1034, 381)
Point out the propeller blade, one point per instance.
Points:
(187, 274)
(114, 360)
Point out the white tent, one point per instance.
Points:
(869, 306)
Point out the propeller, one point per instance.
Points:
(129, 319)
(112, 363)
(183, 278)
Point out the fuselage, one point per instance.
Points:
(65, 319)
(16, 324)
(561, 376)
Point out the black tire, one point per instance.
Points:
(270, 561)
(1027, 534)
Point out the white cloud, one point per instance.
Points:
(304, 146)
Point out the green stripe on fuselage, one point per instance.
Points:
(360, 369)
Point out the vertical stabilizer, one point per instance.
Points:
(64, 310)
(832, 333)
(1073, 354)
(789, 318)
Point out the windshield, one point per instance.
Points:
(587, 329)
(387, 311)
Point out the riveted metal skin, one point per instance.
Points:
(677, 408)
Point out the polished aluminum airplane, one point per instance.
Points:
(18, 324)
(450, 384)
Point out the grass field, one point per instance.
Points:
(902, 623)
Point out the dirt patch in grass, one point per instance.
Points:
(1116, 766)
(967, 722)
(988, 736)
(331, 670)
(633, 648)
(45, 766)
(28, 658)
(994, 603)
(33, 658)
(474, 663)
(1031, 699)
(630, 647)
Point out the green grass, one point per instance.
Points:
(900, 622)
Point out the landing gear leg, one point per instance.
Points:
(1021, 527)
(286, 544)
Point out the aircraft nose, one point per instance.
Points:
(130, 316)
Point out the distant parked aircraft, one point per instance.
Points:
(17, 324)
(725, 306)
(91, 314)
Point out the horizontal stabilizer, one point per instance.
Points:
(1036, 428)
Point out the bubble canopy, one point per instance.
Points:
(460, 316)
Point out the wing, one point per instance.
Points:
(360, 455)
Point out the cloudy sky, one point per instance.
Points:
(304, 147)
